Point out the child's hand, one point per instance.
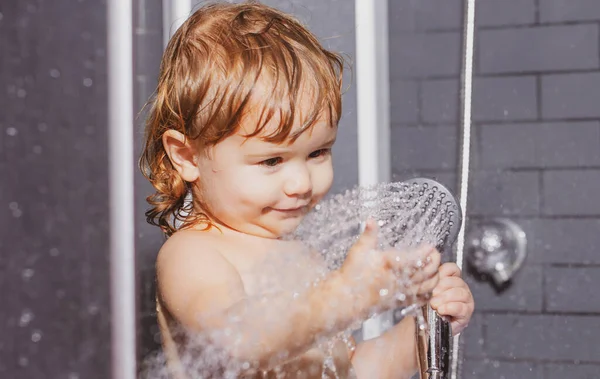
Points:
(452, 298)
(373, 275)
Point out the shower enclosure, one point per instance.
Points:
(535, 160)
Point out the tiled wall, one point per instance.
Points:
(536, 160)
(54, 269)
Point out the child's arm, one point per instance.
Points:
(205, 293)
(391, 355)
(394, 354)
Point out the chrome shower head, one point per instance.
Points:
(408, 213)
(443, 198)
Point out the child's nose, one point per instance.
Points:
(298, 183)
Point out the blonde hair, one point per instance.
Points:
(205, 87)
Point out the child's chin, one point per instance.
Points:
(289, 226)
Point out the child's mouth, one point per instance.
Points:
(292, 211)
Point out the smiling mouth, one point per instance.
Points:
(292, 210)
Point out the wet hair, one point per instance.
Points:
(207, 84)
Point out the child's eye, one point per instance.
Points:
(319, 153)
(271, 162)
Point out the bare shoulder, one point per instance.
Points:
(191, 250)
(195, 278)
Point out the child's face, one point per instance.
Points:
(263, 188)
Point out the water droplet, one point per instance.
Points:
(37, 149)
(384, 292)
(13, 205)
(27, 274)
(54, 73)
(42, 126)
(36, 336)
(1, 16)
(21, 93)
(73, 375)
(93, 309)
(23, 361)
(11, 131)
(87, 82)
(26, 318)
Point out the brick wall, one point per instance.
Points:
(536, 160)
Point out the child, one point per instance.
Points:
(244, 119)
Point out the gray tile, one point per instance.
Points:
(543, 145)
(423, 148)
(562, 240)
(472, 337)
(525, 292)
(439, 14)
(571, 192)
(404, 102)
(571, 371)
(418, 54)
(572, 289)
(498, 193)
(569, 10)
(440, 101)
(402, 16)
(491, 368)
(573, 95)
(543, 337)
(504, 98)
(544, 48)
(506, 12)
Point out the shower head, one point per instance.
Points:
(408, 213)
(446, 203)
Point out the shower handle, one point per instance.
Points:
(434, 345)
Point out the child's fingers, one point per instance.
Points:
(458, 313)
(447, 283)
(368, 239)
(458, 326)
(427, 286)
(414, 261)
(450, 269)
(456, 294)
(456, 310)
(427, 270)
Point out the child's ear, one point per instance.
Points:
(182, 153)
